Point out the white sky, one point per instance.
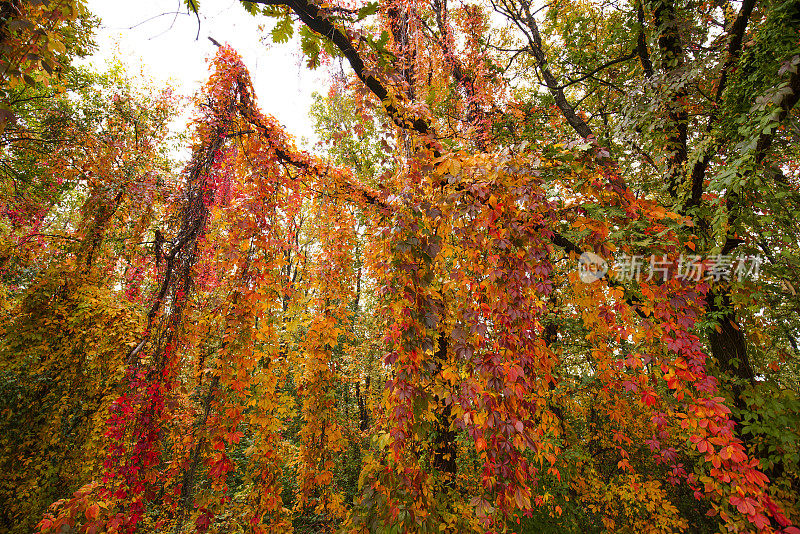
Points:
(149, 36)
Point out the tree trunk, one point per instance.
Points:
(729, 348)
(445, 450)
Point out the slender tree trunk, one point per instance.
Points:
(190, 474)
(445, 449)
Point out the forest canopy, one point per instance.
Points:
(540, 274)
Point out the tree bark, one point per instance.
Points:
(445, 449)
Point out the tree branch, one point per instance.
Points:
(736, 36)
(535, 47)
(604, 66)
(641, 43)
(789, 98)
(672, 60)
(315, 19)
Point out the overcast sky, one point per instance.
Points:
(159, 37)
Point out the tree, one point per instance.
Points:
(517, 391)
(92, 182)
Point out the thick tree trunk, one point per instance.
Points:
(729, 348)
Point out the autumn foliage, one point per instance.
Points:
(395, 337)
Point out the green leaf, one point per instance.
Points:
(283, 30)
(309, 43)
(381, 42)
(250, 7)
(367, 10)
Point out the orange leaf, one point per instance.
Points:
(92, 512)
